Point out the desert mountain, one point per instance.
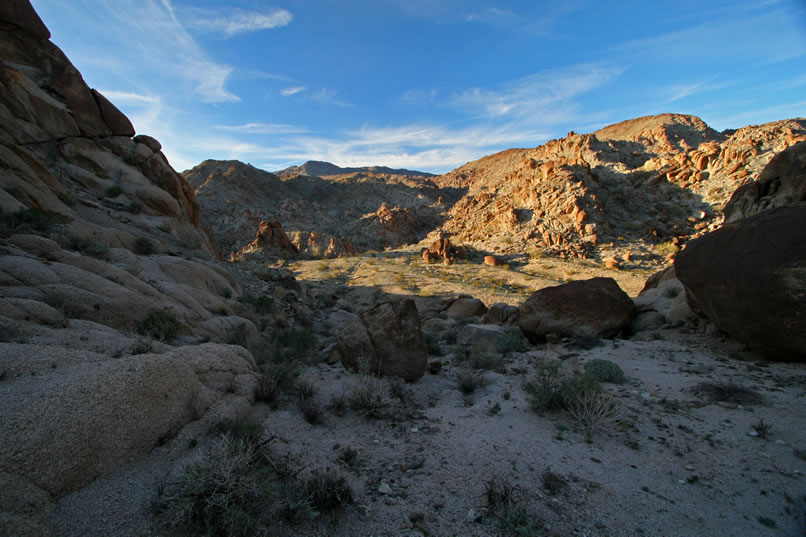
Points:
(638, 182)
(331, 215)
(625, 187)
(317, 168)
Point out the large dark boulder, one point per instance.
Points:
(585, 308)
(385, 341)
(782, 182)
(749, 279)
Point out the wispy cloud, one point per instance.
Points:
(263, 128)
(329, 96)
(677, 92)
(543, 94)
(237, 21)
(293, 90)
(418, 96)
(493, 15)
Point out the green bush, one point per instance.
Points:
(143, 246)
(161, 325)
(550, 390)
(470, 381)
(113, 191)
(604, 371)
(33, 218)
(245, 429)
(135, 207)
(224, 493)
(263, 304)
(510, 342)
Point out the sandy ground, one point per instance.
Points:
(674, 465)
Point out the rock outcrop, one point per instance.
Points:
(781, 183)
(357, 210)
(386, 341)
(749, 278)
(595, 308)
(100, 248)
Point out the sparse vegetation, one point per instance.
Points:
(135, 207)
(35, 219)
(469, 381)
(113, 191)
(510, 342)
(513, 515)
(369, 398)
(605, 371)
(666, 248)
(161, 325)
(242, 429)
(143, 246)
(727, 392)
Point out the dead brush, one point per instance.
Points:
(596, 412)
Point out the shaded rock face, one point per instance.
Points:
(387, 340)
(98, 232)
(749, 278)
(781, 183)
(662, 301)
(81, 419)
(442, 249)
(465, 307)
(585, 308)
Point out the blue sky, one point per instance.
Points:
(424, 84)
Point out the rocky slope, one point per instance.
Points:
(113, 305)
(330, 215)
(644, 180)
(624, 188)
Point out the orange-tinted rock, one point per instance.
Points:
(492, 261)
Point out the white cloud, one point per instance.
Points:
(493, 15)
(238, 21)
(418, 96)
(678, 92)
(263, 128)
(293, 90)
(545, 94)
(328, 95)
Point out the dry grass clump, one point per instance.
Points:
(369, 398)
(239, 488)
(510, 511)
(727, 392)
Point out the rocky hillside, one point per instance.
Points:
(113, 305)
(317, 168)
(641, 181)
(627, 187)
(330, 215)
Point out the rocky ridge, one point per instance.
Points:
(323, 216)
(641, 181)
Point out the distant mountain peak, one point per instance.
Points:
(318, 168)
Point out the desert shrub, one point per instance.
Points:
(510, 342)
(666, 248)
(305, 389)
(141, 346)
(312, 410)
(398, 389)
(349, 457)
(552, 482)
(161, 325)
(327, 489)
(368, 398)
(513, 515)
(224, 493)
(604, 371)
(93, 248)
(268, 389)
(338, 404)
(295, 342)
(239, 335)
(483, 356)
(469, 381)
(136, 207)
(113, 191)
(727, 392)
(143, 246)
(35, 219)
(246, 429)
(263, 304)
(549, 389)
(595, 412)
(433, 345)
